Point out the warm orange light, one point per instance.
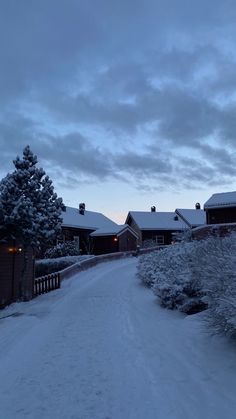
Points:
(14, 249)
(115, 239)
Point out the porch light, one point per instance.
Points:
(14, 249)
(115, 239)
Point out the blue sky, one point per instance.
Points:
(127, 104)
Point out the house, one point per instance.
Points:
(192, 217)
(156, 226)
(118, 238)
(79, 224)
(220, 216)
(221, 208)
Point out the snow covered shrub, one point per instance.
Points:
(176, 284)
(169, 272)
(217, 272)
(147, 268)
(70, 248)
(47, 266)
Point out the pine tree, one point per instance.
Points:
(29, 208)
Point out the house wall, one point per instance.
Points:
(16, 273)
(137, 230)
(70, 233)
(152, 234)
(104, 244)
(221, 215)
(127, 241)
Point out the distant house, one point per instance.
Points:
(156, 226)
(192, 217)
(221, 208)
(119, 238)
(79, 224)
(220, 212)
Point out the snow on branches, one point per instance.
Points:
(29, 207)
(190, 276)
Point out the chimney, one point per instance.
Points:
(153, 209)
(81, 208)
(198, 206)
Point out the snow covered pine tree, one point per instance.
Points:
(29, 208)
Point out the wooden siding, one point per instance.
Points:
(104, 244)
(152, 234)
(135, 227)
(69, 233)
(221, 215)
(127, 241)
(16, 274)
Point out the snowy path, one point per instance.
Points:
(102, 348)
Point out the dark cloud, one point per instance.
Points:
(121, 90)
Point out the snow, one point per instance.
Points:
(157, 220)
(225, 199)
(102, 348)
(90, 220)
(193, 217)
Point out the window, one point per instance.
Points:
(159, 239)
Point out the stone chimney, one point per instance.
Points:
(82, 208)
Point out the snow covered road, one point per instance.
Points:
(102, 348)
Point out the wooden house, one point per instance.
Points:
(192, 217)
(120, 238)
(221, 208)
(79, 224)
(156, 226)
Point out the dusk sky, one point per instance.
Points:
(127, 103)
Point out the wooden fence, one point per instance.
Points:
(47, 283)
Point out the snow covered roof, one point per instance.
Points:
(90, 220)
(193, 217)
(224, 199)
(115, 230)
(157, 220)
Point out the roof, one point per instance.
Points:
(157, 220)
(193, 217)
(224, 199)
(89, 221)
(115, 230)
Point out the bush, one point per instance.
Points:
(191, 276)
(48, 266)
(169, 273)
(217, 272)
(70, 248)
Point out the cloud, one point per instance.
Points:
(121, 90)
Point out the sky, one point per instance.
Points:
(127, 103)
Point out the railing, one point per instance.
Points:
(46, 284)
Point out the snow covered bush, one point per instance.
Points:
(148, 268)
(47, 266)
(70, 248)
(191, 276)
(169, 272)
(217, 272)
(29, 208)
